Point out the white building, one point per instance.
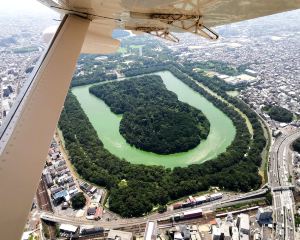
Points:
(150, 232)
(119, 235)
(243, 224)
(242, 78)
(68, 228)
(216, 233)
(251, 72)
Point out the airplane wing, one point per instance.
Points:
(230, 11)
(162, 17)
(214, 12)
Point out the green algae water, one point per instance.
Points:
(106, 123)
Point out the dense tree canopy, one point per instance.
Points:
(296, 145)
(236, 169)
(154, 119)
(279, 114)
(78, 201)
(91, 70)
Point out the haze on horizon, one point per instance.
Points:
(25, 7)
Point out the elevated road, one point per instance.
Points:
(283, 199)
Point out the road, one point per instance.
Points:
(283, 199)
(279, 154)
(207, 208)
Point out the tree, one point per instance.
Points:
(296, 145)
(269, 198)
(153, 118)
(78, 201)
(279, 114)
(150, 186)
(162, 208)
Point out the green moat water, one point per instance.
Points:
(106, 123)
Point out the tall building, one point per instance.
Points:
(264, 214)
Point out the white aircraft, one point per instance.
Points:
(86, 27)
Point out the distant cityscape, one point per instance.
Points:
(21, 45)
(271, 50)
(266, 46)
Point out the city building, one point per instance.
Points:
(264, 214)
(243, 224)
(119, 235)
(150, 232)
(251, 72)
(216, 233)
(68, 228)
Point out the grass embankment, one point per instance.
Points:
(263, 170)
(248, 123)
(240, 206)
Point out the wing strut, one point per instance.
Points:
(27, 133)
(187, 23)
(163, 33)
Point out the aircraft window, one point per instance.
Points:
(21, 45)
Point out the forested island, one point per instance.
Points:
(279, 114)
(153, 117)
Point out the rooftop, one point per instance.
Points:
(121, 235)
(68, 228)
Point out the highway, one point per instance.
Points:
(283, 199)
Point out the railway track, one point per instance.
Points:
(203, 220)
(42, 196)
(137, 229)
(51, 229)
(94, 236)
